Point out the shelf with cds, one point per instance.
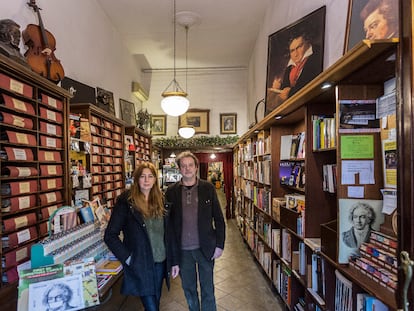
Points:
(137, 149)
(317, 171)
(106, 153)
(33, 157)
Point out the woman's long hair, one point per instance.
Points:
(154, 207)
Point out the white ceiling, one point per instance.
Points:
(224, 37)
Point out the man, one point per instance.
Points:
(362, 216)
(380, 18)
(304, 64)
(198, 229)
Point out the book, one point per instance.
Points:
(28, 276)
(372, 303)
(285, 147)
(106, 266)
(87, 270)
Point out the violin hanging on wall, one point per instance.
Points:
(42, 44)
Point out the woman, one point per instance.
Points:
(141, 216)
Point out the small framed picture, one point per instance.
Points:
(128, 112)
(158, 125)
(371, 19)
(198, 118)
(228, 123)
(105, 100)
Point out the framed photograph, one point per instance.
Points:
(199, 118)
(158, 124)
(371, 19)
(295, 57)
(228, 123)
(357, 218)
(128, 112)
(105, 100)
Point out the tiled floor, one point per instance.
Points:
(239, 282)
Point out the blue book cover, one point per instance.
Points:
(86, 214)
(372, 303)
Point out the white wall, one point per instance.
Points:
(92, 52)
(218, 91)
(88, 46)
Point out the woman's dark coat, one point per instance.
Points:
(139, 275)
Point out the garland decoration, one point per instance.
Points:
(195, 141)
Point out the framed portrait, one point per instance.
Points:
(158, 124)
(105, 100)
(128, 112)
(371, 19)
(228, 123)
(198, 118)
(295, 57)
(357, 218)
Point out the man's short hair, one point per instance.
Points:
(186, 154)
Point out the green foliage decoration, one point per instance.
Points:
(194, 142)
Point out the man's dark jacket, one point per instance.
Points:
(211, 225)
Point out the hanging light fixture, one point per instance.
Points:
(175, 102)
(186, 131)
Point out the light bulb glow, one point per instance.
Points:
(175, 105)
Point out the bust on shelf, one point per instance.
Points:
(10, 39)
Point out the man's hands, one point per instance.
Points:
(217, 253)
(175, 271)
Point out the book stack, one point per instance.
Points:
(106, 266)
(378, 260)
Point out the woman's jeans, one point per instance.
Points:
(193, 261)
(152, 302)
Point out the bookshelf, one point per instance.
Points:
(302, 270)
(107, 152)
(137, 149)
(33, 144)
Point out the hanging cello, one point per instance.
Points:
(42, 44)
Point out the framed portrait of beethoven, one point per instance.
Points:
(295, 57)
(372, 20)
(198, 118)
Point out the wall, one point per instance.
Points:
(92, 52)
(87, 44)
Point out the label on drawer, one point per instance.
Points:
(23, 236)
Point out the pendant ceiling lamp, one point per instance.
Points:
(175, 102)
(186, 131)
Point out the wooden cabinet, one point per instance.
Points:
(33, 160)
(106, 153)
(294, 224)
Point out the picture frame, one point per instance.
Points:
(228, 123)
(198, 118)
(381, 18)
(128, 113)
(105, 100)
(301, 40)
(348, 245)
(158, 125)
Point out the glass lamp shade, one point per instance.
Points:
(186, 131)
(175, 103)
